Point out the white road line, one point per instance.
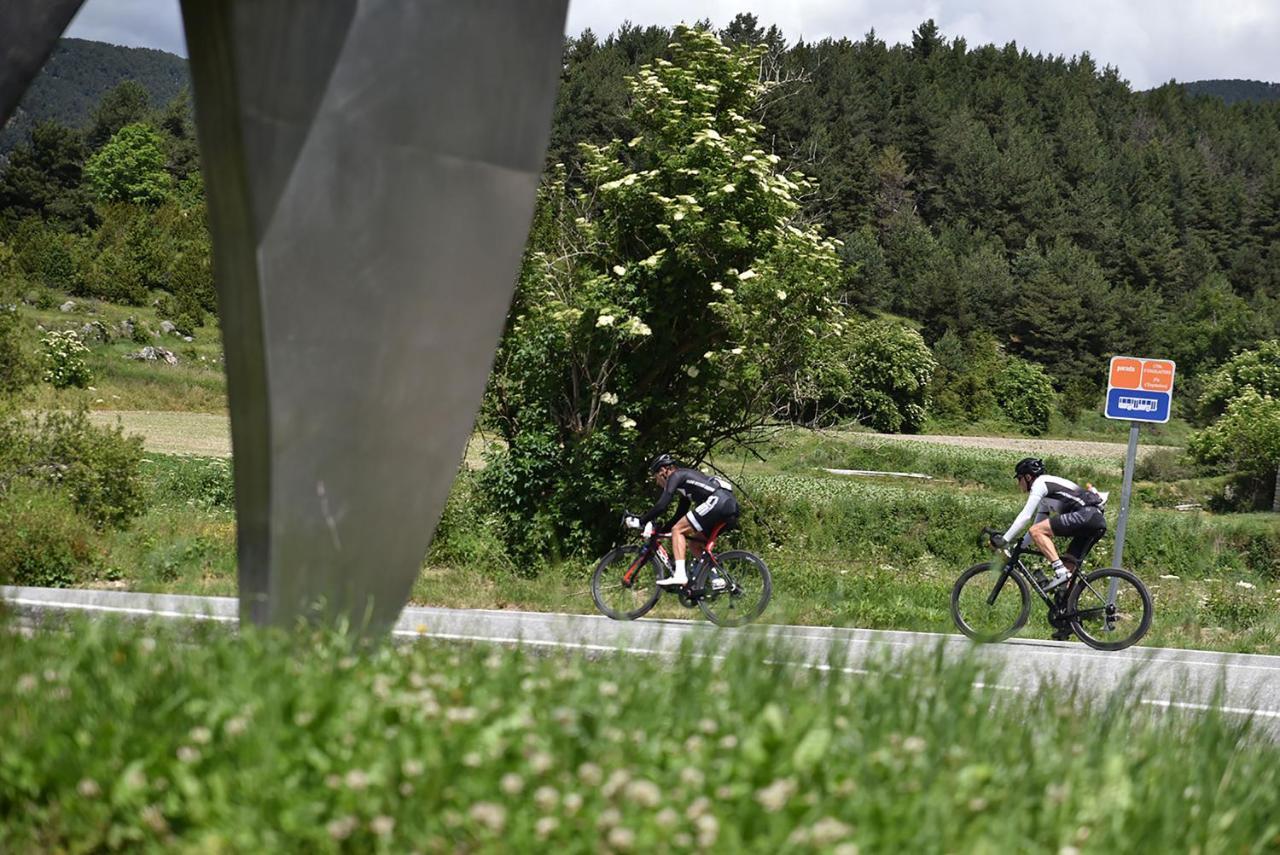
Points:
(1260, 713)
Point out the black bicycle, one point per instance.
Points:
(732, 588)
(1108, 609)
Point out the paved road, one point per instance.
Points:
(1168, 678)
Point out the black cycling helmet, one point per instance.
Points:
(659, 462)
(1032, 466)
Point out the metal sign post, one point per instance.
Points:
(1138, 390)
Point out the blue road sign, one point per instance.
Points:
(1138, 405)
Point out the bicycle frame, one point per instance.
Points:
(654, 544)
(1014, 563)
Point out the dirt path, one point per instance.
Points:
(200, 434)
(204, 434)
(1029, 445)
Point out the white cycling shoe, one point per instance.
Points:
(673, 582)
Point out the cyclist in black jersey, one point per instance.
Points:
(705, 502)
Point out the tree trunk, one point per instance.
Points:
(1275, 499)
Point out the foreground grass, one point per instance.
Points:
(124, 737)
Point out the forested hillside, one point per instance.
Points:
(985, 191)
(79, 73)
(1232, 91)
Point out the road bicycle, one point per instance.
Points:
(732, 588)
(1108, 609)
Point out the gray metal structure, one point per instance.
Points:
(371, 168)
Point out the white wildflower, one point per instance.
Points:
(88, 788)
(545, 798)
(340, 829)
(490, 815)
(828, 830)
(716, 286)
(605, 321)
(1246, 585)
(382, 825)
(774, 797)
(545, 826)
(622, 838)
(511, 784)
(620, 270)
(609, 398)
(691, 370)
(627, 423)
(644, 793)
(201, 735)
(747, 274)
(782, 295)
(356, 779)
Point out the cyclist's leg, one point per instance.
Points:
(1042, 534)
(680, 533)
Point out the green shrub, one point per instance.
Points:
(16, 368)
(202, 482)
(889, 371)
(468, 533)
(1025, 394)
(43, 542)
(97, 467)
(64, 363)
(1163, 464)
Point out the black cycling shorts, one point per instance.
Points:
(1086, 520)
(717, 508)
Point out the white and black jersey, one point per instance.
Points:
(1064, 496)
(713, 500)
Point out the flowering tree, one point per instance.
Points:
(670, 299)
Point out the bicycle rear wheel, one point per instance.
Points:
(989, 604)
(624, 584)
(748, 586)
(1103, 624)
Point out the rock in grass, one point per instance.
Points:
(68, 306)
(151, 353)
(167, 327)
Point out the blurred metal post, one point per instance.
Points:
(371, 168)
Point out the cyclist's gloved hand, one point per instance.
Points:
(998, 541)
(630, 521)
(648, 529)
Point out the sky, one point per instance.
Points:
(1149, 41)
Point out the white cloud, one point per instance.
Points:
(132, 23)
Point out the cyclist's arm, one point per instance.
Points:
(681, 509)
(664, 501)
(1034, 498)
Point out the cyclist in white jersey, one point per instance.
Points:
(1061, 508)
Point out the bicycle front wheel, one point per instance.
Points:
(990, 604)
(1104, 622)
(738, 589)
(624, 584)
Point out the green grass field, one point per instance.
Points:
(130, 737)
